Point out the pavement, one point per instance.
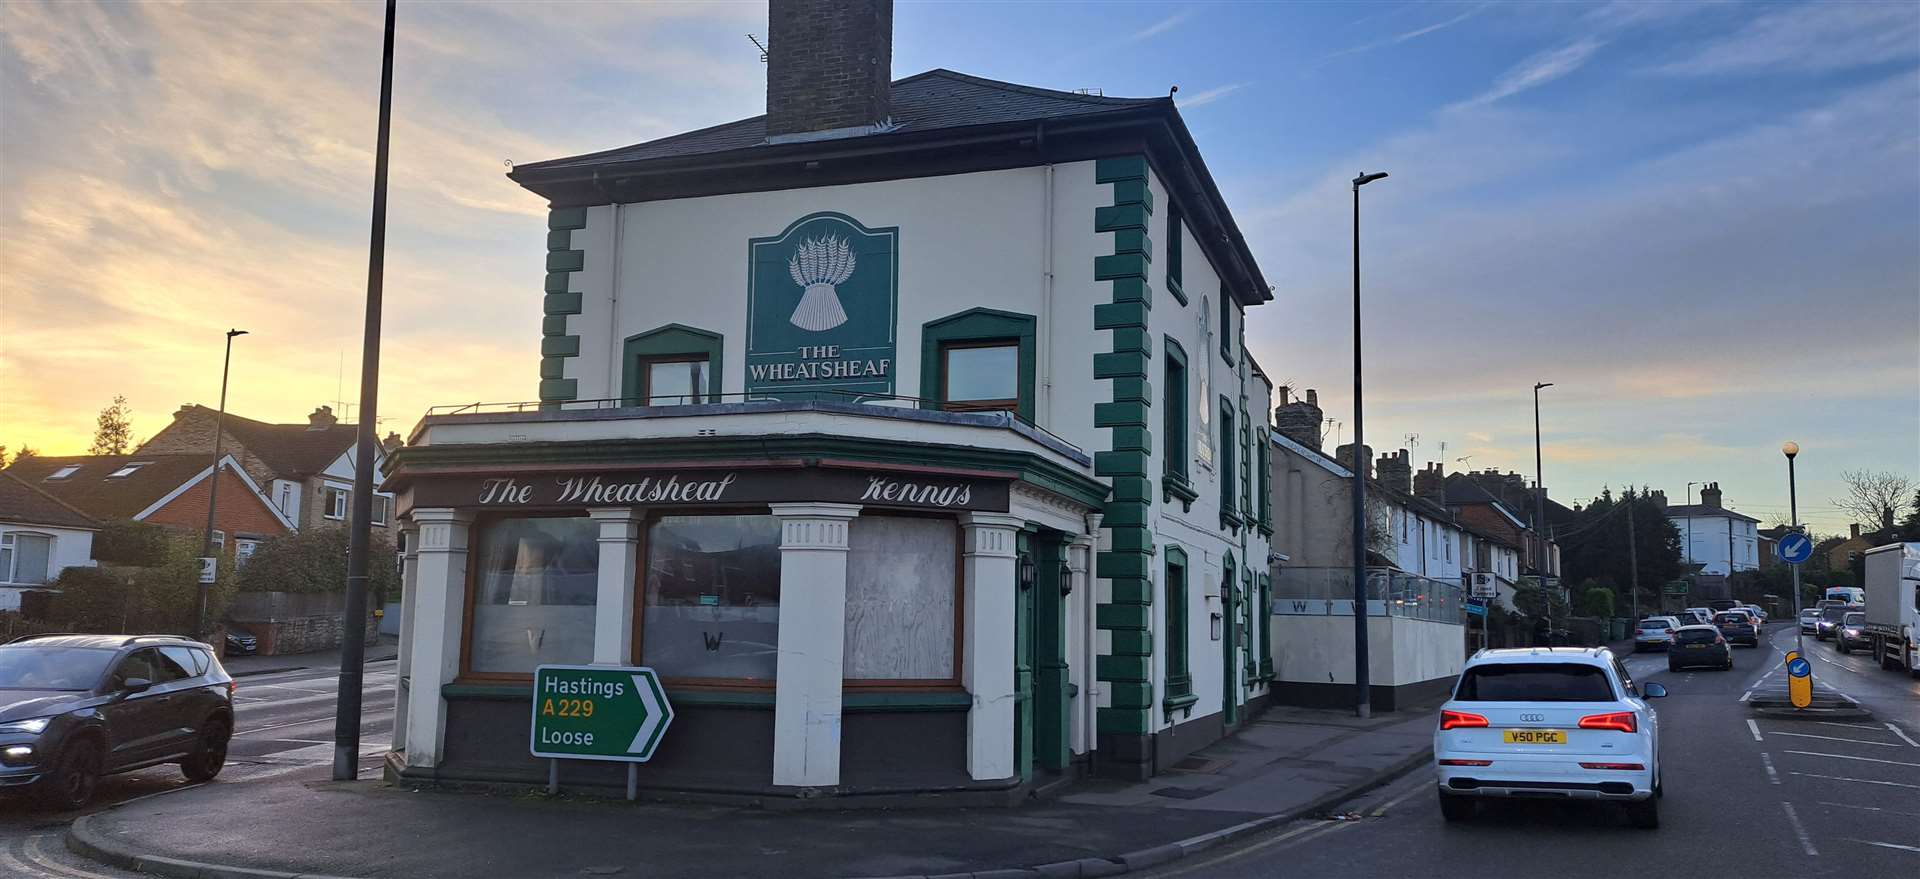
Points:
(1281, 767)
(385, 648)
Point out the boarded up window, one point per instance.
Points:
(900, 598)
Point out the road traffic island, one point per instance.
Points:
(1824, 706)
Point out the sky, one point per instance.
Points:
(1700, 221)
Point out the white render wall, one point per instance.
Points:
(72, 548)
(1710, 538)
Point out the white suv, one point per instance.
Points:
(1549, 723)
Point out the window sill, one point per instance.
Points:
(1173, 487)
(1173, 286)
(1266, 528)
(1230, 520)
(1182, 703)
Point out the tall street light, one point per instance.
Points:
(213, 479)
(1792, 449)
(1362, 676)
(1540, 503)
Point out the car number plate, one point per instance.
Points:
(1696, 646)
(1534, 736)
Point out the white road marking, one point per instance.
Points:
(1851, 757)
(1859, 780)
(1755, 729)
(1747, 695)
(1848, 725)
(1891, 845)
(1801, 735)
(1870, 809)
(1903, 735)
(1766, 760)
(1806, 842)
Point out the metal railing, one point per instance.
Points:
(1329, 592)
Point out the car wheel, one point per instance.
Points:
(211, 756)
(1644, 814)
(75, 776)
(1456, 809)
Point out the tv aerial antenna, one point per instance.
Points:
(759, 45)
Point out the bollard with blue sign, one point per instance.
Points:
(1799, 679)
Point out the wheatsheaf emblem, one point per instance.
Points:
(819, 265)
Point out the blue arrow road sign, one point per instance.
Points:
(1799, 668)
(1794, 548)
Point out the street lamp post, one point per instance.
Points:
(1362, 675)
(1540, 504)
(1792, 449)
(213, 480)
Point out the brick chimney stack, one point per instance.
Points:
(1431, 483)
(1395, 471)
(1710, 496)
(1299, 420)
(1343, 455)
(321, 418)
(829, 65)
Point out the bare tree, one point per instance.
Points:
(1874, 499)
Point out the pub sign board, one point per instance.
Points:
(822, 301)
(688, 487)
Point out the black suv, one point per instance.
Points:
(76, 707)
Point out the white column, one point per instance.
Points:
(439, 610)
(813, 619)
(1079, 634)
(988, 574)
(613, 610)
(409, 590)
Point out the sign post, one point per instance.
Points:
(209, 570)
(1794, 548)
(597, 712)
(1799, 679)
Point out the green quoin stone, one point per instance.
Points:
(560, 346)
(558, 389)
(1105, 268)
(1134, 538)
(1123, 616)
(1115, 315)
(552, 367)
(557, 282)
(1133, 192)
(1121, 216)
(1108, 565)
(566, 260)
(567, 218)
(1123, 668)
(1129, 413)
(1131, 390)
(1133, 339)
(1133, 290)
(559, 239)
(1138, 439)
(1121, 364)
(1124, 463)
(1131, 489)
(554, 325)
(1131, 642)
(562, 303)
(1130, 241)
(1131, 694)
(1123, 721)
(1120, 168)
(1125, 514)
(1132, 590)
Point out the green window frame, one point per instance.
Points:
(972, 328)
(1175, 480)
(1174, 260)
(1226, 327)
(1263, 472)
(1175, 584)
(1263, 625)
(1246, 464)
(1229, 440)
(666, 344)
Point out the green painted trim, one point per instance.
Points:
(1121, 364)
(1130, 694)
(560, 346)
(1226, 328)
(566, 260)
(1133, 290)
(557, 282)
(560, 239)
(1176, 488)
(1230, 640)
(1115, 315)
(553, 367)
(1118, 217)
(669, 340)
(1177, 583)
(1121, 265)
(1175, 261)
(1135, 489)
(557, 389)
(1112, 565)
(567, 218)
(1133, 390)
(561, 303)
(1132, 241)
(1126, 413)
(1121, 721)
(1229, 449)
(1123, 616)
(878, 702)
(1120, 168)
(975, 325)
(1179, 292)
(553, 325)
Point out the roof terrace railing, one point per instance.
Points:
(1329, 592)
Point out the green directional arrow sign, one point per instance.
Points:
(598, 712)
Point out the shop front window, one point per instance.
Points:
(712, 598)
(535, 586)
(901, 579)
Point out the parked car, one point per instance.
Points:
(76, 707)
(1567, 723)
(1737, 627)
(1829, 622)
(240, 642)
(1851, 633)
(1809, 619)
(1698, 646)
(1653, 633)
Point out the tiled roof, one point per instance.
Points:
(25, 504)
(93, 490)
(928, 101)
(292, 450)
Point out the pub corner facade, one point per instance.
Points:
(907, 432)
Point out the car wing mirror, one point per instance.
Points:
(1654, 690)
(131, 686)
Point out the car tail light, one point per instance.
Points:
(1620, 721)
(232, 687)
(1466, 762)
(1459, 719)
(1626, 766)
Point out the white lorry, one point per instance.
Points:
(1893, 606)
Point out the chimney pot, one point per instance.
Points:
(1855, 527)
(321, 418)
(829, 64)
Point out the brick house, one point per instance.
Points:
(304, 470)
(170, 490)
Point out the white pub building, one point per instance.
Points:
(907, 431)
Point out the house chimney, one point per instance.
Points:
(1855, 527)
(321, 418)
(1659, 497)
(829, 65)
(392, 442)
(1710, 496)
(1431, 483)
(1396, 471)
(1299, 420)
(1343, 455)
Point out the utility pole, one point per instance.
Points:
(1792, 449)
(1362, 674)
(346, 718)
(213, 486)
(1633, 561)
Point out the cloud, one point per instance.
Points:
(1813, 37)
(1161, 26)
(1203, 98)
(1536, 71)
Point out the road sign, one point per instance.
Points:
(1476, 608)
(598, 712)
(1799, 679)
(1794, 548)
(209, 569)
(1675, 587)
(1485, 586)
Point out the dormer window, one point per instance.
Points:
(63, 472)
(128, 469)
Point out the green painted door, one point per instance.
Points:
(1229, 645)
(1023, 653)
(1050, 698)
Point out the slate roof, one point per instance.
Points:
(928, 101)
(1703, 511)
(23, 503)
(292, 450)
(91, 490)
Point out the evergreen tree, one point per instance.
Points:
(1594, 548)
(114, 433)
